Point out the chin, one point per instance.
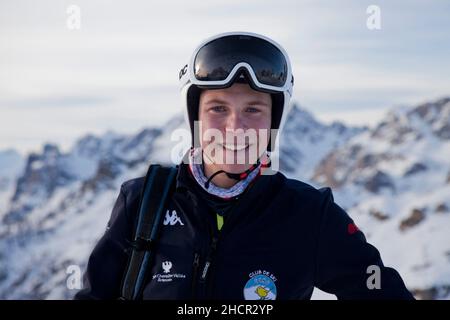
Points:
(235, 168)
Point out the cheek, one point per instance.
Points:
(209, 129)
(262, 127)
(260, 123)
(209, 122)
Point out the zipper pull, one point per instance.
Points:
(212, 250)
(205, 271)
(195, 266)
(196, 259)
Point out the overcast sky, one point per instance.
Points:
(120, 70)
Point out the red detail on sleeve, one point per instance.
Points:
(352, 228)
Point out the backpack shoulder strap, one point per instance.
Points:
(158, 184)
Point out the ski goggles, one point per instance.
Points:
(218, 61)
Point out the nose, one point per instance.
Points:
(235, 121)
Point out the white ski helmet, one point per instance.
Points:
(230, 57)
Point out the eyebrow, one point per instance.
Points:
(223, 102)
(216, 101)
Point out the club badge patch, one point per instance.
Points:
(260, 286)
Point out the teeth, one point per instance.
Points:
(234, 148)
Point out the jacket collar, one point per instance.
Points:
(257, 195)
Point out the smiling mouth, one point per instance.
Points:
(232, 147)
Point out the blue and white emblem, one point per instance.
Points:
(260, 286)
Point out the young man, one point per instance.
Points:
(234, 228)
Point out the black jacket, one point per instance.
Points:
(281, 238)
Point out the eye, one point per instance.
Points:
(218, 109)
(252, 110)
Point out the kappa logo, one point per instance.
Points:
(172, 219)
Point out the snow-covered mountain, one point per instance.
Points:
(393, 179)
(305, 141)
(60, 203)
(11, 166)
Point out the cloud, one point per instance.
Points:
(127, 56)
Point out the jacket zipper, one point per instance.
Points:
(206, 271)
(195, 267)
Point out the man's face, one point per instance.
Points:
(242, 116)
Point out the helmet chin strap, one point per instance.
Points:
(235, 176)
